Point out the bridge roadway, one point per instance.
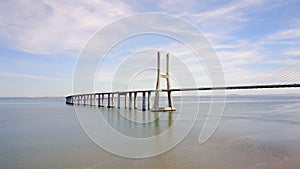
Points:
(202, 88)
(94, 99)
(238, 87)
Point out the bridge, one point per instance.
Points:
(131, 97)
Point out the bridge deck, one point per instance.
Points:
(238, 87)
(204, 88)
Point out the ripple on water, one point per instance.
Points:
(261, 148)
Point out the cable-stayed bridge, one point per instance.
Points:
(286, 75)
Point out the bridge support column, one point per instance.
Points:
(94, 100)
(68, 100)
(102, 100)
(112, 100)
(135, 100)
(119, 101)
(71, 100)
(156, 100)
(87, 99)
(167, 77)
(170, 100)
(149, 100)
(108, 100)
(144, 101)
(91, 100)
(125, 100)
(130, 100)
(98, 95)
(84, 100)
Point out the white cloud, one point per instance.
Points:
(286, 34)
(54, 26)
(231, 12)
(292, 53)
(289, 36)
(239, 57)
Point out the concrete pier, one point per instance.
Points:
(108, 100)
(99, 105)
(119, 103)
(91, 99)
(83, 99)
(149, 100)
(125, 100)
(144, 101)
(156, 107)
(112, 100)
(94, 100)
(130, 100)
(102, 100)
(135, 101)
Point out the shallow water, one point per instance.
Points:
(255, 132)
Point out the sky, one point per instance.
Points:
(41, 40)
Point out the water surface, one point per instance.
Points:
(255, 132)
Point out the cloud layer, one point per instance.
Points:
(250, 37)
(54, 26)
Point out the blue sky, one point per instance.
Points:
(40, 40)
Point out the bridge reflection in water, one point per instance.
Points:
(131, 122)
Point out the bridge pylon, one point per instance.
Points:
(156, 107)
